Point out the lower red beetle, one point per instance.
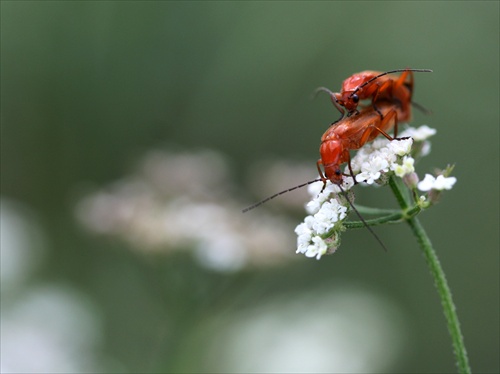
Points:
(352, 133)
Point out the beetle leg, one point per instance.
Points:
(350, 168)
(321, 175)
(386, 86)
(392, 114)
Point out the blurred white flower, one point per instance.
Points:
(438, 183)
(182, 201)
(443, 183)
(425, 149)
(49, 330)
(22, 244)
(335, 328)
(418, 134)
(45, 328)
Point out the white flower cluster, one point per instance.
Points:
(326, 216)
(379, 157)
(382, 155)
(319, 234)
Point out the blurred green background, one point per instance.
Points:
(89, 88)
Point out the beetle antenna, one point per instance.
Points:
(361, 218)
(389, 72)
(332, 97)
(322, 89)
(279, 193)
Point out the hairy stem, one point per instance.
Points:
(444, 293)
(390, 218)
(439, 280)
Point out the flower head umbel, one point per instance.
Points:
(374, 164)
(319, 233)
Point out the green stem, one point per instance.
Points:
(374, 211)
(445, 294)
(390, 218)
(399, 191)
(440, 282)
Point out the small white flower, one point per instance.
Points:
(347, 183)
(401, 147)
(440, 183)
(317, 249)
(405, 168)
(304, 234)
(378, 163)
(366, 178)
(319, 197)
(303, 242)
(385, 153)
(422, 133)
(322, 223)
(314, 189)
(312, 207)
(427, 183)
(379, 143)
(443, 183)
(329, 213)
(303, 229)
(372, 170)
(356, 164)
(426, 149)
